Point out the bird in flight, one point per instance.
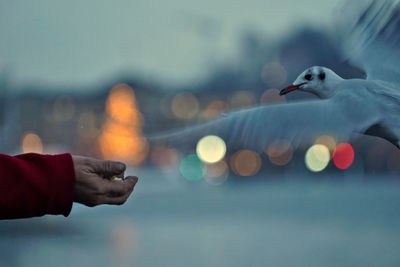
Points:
(371, 40)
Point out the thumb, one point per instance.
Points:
(108, 168)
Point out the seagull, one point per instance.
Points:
(344, 107)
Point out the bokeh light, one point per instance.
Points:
(165, 158)
(214, 109)
(279, 152)
(31, 142)
(185, 106)
(327, 141)
(343, 156)
(121, 137)
(211, 149)
(242, 99)
(317, 158)
(271, 96)
(274, 74)
(192, 168)
(245, 162)
(120, 104)
(217, 173)
(217, 169)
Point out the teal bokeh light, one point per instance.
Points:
(192, 168)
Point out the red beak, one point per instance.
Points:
(290, 88)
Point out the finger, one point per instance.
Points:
(119, 188)
(108, 168)
(119, 200)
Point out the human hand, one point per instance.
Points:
(95, 184)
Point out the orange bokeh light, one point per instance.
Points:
(185, 106)
(121, 137)
(216, 169)
(214, 109)
(120, 103)
(327, 141)
(279, 152)
(245, 162)
(242, 99)
(31, 142)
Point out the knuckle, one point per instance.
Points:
(104, 167)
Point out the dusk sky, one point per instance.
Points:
(79, 42)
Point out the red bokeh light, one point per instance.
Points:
(343, 156)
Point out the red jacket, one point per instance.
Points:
(35, 185)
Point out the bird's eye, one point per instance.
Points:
(308, 77)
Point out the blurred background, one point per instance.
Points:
(95, 77)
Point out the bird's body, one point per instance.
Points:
(379, 99)
(345, 106)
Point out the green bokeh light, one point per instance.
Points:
(192, 168)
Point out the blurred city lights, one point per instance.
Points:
(217, 169)
(217, 173)
(245, 162)
(274, 74)
(242, 99)
(214, 109)
(192, 168)
(343, 156)
(165, 158)
(121, 137)
(271, 96)
(120, 104)
(327, 141)
(279, 152)
(211, 149)
(31, 142)
(185, 106)
(317, 157)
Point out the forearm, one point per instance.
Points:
(35, 185)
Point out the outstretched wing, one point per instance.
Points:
(297, 123)
(370, 32)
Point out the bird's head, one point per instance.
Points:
(315, 80)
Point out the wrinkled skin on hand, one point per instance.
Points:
(95, 183)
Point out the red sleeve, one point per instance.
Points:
(35, 185)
